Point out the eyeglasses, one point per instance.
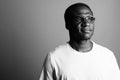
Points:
(88, 19)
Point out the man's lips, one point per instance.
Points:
(86, 31)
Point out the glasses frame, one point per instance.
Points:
(89, 19)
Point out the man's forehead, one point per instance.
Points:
(82, 10)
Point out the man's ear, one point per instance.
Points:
(68, 25)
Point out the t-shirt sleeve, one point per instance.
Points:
(48, 71)
(114, 68)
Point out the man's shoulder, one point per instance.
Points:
(102, 48)
(59, 50)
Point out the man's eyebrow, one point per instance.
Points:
(83, 13)
(83, 16)
(87, 13)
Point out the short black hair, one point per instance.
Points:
(70, 9)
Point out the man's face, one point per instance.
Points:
(82, 23)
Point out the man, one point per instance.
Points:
(80, 58)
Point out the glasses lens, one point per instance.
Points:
(81, 19)
(90, 19)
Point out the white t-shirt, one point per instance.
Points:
(65, 63)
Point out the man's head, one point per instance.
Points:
(79, 21)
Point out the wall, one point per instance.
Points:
(29, 29)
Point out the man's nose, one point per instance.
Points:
(85, 24)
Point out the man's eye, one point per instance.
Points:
(91, 18)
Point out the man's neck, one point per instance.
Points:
(82, 46)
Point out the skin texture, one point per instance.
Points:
(80, 32)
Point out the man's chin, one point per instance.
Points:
(85, 37)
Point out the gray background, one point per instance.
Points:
(29, 29)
